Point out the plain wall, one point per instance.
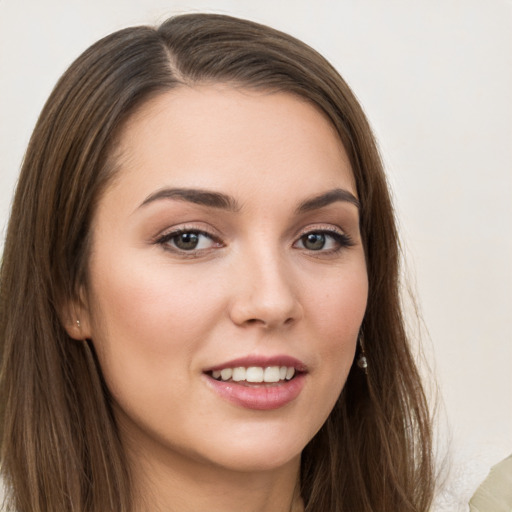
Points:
(435, 78)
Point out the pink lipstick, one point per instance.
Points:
(258, 382)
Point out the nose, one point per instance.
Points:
(265, 293)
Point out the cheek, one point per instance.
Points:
(148, 324)
(338, 306)
(337, 311)
(335, 307)
(146, 331)
(143, 298)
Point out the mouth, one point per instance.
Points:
(254, 374)
(258, 383)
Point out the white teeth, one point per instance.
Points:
(255, 374)
(226, 373)
(290, 372)
(238, 374)
(271, 374)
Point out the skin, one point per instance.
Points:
(159, 315)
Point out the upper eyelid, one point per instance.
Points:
(186, 228)
(334, 233)
(320, 227)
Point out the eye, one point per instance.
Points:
(323, 240)
(188, 240)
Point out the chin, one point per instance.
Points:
(256, 461)
(257, 453)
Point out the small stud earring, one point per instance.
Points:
(78, 324)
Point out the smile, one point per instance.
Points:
(258, 383)
(255, 374)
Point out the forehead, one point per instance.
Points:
(218, 136)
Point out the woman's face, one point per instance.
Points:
(229, 239)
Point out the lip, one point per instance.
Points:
(261, 396)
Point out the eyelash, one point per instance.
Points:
(166, 239)
(342, 241)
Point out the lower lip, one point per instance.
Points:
(260, 397)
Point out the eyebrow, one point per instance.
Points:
(196, 196)
(226, 202)
(327, 198)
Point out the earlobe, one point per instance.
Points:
(75, 320)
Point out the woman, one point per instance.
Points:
(200, 246)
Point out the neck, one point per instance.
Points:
(166, 481)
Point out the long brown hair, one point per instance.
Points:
(60, 445)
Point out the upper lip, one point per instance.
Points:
(263, 361)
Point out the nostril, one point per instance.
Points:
(258, 321)
(253, 321)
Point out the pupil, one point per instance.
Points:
(187, 241)
(314, 241)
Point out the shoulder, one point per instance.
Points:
(495, 493)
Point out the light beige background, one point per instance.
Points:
(435, 78)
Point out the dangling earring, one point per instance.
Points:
(78, 324)
(362, 362)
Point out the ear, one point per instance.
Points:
(75, 318)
